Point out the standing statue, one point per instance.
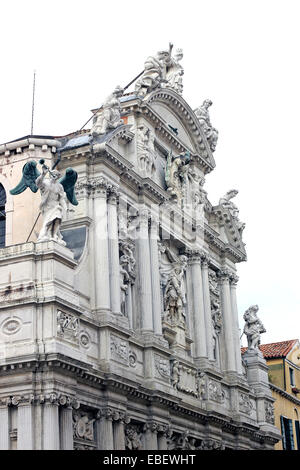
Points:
(232, 208)
(210, 132)
(108, 117)
(253, 327)
(174, 296)
(175, 173)
(53, 200)
(146, 150)
(175, 72)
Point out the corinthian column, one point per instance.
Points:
(101, 261)
(51, 424)
(113, 244)
(145, 273)
(25, 425)
(66, 426)
(237, 345)
(156, 294)
(105, 438)
(228, 323)
(198, 301)
(207, 308)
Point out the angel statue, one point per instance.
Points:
(53, 196)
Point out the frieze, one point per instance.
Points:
(245, 404)
(119, 349)
(216, 392)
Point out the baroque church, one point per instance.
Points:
(118, 314)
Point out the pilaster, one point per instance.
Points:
(145, 273)
(155, 277)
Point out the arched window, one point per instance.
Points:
(2, 215)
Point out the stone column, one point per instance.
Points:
(156, 294)
(119, 430)
(66, 426)
(113, 243)
(105, 438)
(4, 426)
(150, 430)
(145, 273)
(51, 424)
(162, 434)
(101, 262)
(237, 344)
(207, 308)
(198, 301)
(25, 439)
(227, 321)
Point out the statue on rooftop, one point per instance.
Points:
(53, 196)
(253, 327)
(175, 72)
(226, 203)
(210, 132)
(108, 117)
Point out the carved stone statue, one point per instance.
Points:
(154, 73)
(108, 117)
(226, 202)
(175, 173)
(53, 205)
(175, 72)
(133, 438)
(175, 374)
(253, 327)
(174, 296)
(146, 151)
(210, 132)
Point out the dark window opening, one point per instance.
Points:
(2, 216)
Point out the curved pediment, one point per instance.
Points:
(175, 113)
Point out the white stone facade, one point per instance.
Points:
(128, 337)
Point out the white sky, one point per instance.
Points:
(243, 54)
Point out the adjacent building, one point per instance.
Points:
(125, 335)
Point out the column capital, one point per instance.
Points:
(234, 279)
(194, 256)
(143, 217)
(112, 194)
(151, 426)
(223, 274)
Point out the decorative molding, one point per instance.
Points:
(67, 326)
(162, 367)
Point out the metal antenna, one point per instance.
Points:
(32, 112)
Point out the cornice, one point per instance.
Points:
(285, 394)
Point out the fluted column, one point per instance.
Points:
(207, 308)
(156, 294)
(120, 419)
(25, 439)
(101, 274)
(4, 426)
(238, 357)
(66, 426)
(105, 438)
(198, 301)
(113, 244)
(51, 424)
(145, 273)
(151, 436)
(228, 323)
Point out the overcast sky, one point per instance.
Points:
(242, 54)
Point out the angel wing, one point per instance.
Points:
(68, 182)
(30, 174)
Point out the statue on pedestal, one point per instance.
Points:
(253, 327)
(174, 297)
(53, 196)
(175, 174)
(226, 203)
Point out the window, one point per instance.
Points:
(297, 426)
(292, 377)
(2, 216)
(287, 433)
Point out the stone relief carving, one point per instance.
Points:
(155, 72)
(227, 204)
(213, 283)
(216, 392)
(245, 404)
(67, 325)
(269, 412)
(84, 339)
(187, 380)
(11, 325)
(194, 195)
(216, 315)
(174, 296)
(253, 327)
(83, 430)
(183, 442)
(146, 151)
(127, 270)
(108, 117)
(176, 174)
(201, 386)
(162, 367)
(119, 349)
(211, 444)
(133, 437)
(210, 132)
(132, 357)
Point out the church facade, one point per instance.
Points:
(124, 333)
